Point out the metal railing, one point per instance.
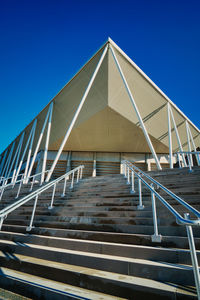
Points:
(188, 159)
(24, 180)
(35, 194)
(130, 171)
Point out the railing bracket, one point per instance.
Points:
(140, 207)
(156, 238)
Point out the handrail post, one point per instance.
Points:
(189, 162)
(128, 175)
(1, 221)
(52, 197)
(72, 182)
(140, 206)
(32, 183)
(132, 182)
(2, 191)
(81, 175)
(64, 187)
(125, 168)
(193, 255)
(179, 162)
(19, 189)
(77, 179)
(33, 214)
(156, 238)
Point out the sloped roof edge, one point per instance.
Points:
(151, 82)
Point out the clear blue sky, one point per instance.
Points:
(43, 43)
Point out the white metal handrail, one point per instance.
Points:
(23, 180)
(130, 171)
(10, 208)
(186, 158)
(6, 179)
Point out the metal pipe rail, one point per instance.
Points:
(21, 181)
(4, 181)
(130, 170)
(187, 158)
(10, 208)
(180, 219)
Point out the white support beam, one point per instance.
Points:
(16, 154)
(3, 160)
(30, 151)
(136, 110)
(177, 135)
(37, 146)
(17, 159)
(26, 147)
(193, 144)
(76, 114)
(46, 144)
(169, 136)
(94, 171)
(69, 157)
(9, 159)
(188, 141)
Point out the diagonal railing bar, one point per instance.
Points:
(21, 181)
(128, 170)
(35, 194)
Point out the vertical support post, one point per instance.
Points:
(136, 111)
(9, 159)
(193, 144)
(128, 175)
(140, 206)
(76, 114)
(189, 145)
(33, 214)
(52, 197)
(78, 174)
(81, 175)
(132, 182)
(169, 136)
(179, 162)
(125, 167)
(177, 136)
(46, 143)
(64, 187)
(94, 172)
(3, 160)
(32, 183)
(38, 145)
(17, 159)
(193, 255)
(27, 143)
(121, 164)
(155, 237)
(19, 189)
(72, 182)
(1, 222)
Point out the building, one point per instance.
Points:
(109, 111)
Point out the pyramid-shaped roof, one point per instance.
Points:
(107, 120)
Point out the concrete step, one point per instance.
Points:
(86, 213)
(103, 236)
(8, 295)
(139, 220)
(41, 288)
(170, 255)
(97, 280)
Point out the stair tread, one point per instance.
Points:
(97, 255)
(133, 280)
(62, 289)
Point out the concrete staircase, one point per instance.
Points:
(95, 244)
